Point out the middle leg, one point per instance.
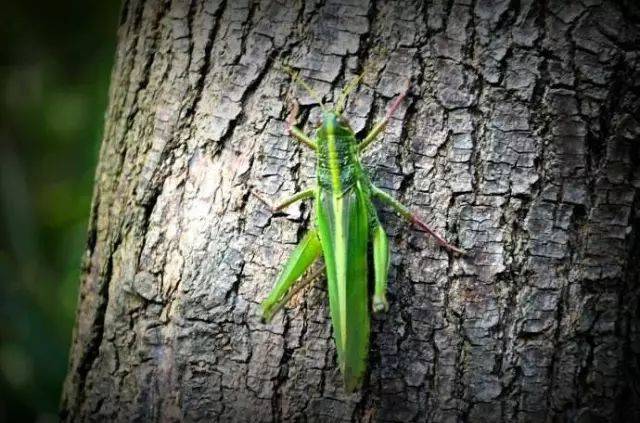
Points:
(411, 217)
(381, 268)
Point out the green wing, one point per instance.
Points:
(343, 231)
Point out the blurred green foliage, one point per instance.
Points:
(55, 65)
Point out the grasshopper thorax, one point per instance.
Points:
(337, 153)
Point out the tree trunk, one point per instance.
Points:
(519, 141)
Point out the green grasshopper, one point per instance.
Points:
(346, 223)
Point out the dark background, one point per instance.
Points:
(56, 60)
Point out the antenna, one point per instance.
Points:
(301, 82)
(342, 100)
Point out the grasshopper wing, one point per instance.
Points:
(343, 231)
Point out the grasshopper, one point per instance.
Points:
(346, 224)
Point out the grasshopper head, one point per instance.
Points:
(331, 119)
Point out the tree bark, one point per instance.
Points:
(519, 141)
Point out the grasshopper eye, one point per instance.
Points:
(343, 122)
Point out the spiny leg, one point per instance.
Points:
(381, 268)
(296, 132)
(371, 136)
(301, 258)
(302, 195)
(411, 217)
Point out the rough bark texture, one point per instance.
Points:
(519, 141)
